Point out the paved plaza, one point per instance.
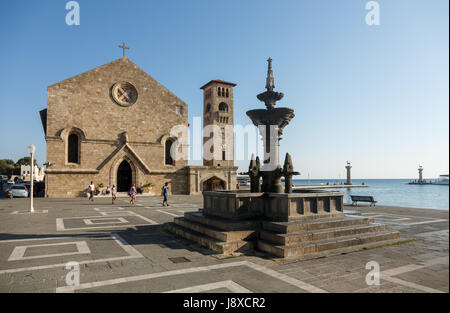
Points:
(123, 248)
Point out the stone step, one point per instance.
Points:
(221, 223)
(208, 242)
(323, 223)
(329, 233)
(226, 236)
(302, 249)
(335, 252)
(314, 217)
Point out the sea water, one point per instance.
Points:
(392, 192)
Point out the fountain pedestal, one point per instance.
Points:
(280, 207)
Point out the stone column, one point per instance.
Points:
(271, 142)
(420, 174)
(349, 176)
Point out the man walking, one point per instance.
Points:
(165, 193)
(91, 191)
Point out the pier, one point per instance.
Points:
(302, 187)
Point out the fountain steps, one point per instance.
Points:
(316, 224)
(299, 239)
(222, 223)
(312, 236)
(218, 234)
(201, 238)
(337, 245)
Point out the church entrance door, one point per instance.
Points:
(124, 177)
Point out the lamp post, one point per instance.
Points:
(31, 149)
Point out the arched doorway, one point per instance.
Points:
(124, 177)
(214, 183)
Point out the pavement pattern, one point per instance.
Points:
(123, 248)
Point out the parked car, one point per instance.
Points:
(19, 191)
(28, 186)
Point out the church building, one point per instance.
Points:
(111, 125)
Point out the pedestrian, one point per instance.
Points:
(91, 191)
(113, 193)
(133, 193)
(165, 193)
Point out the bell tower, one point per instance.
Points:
(218, 108)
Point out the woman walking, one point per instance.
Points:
(165, 193)
(133, 193)
(113, 193)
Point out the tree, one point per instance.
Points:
(7, 167)
(25, 161)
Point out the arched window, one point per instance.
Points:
(227, 94)
(218, 91)
(223, 107)
(168, 147)
(208, 108)
(72, 148)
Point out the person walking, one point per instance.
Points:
(133, 193)
(165, 193)
(91, 191)
(113, 193)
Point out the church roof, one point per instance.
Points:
(123, 61)
(218, 81)
(97, 69)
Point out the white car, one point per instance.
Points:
(19, 191)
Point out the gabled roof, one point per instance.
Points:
(129, 151)
(98, 68)
(123, 61)
(218, 81)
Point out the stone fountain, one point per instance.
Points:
(271, 123)
(278, 220)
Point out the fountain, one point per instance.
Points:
(280, 221)
(271, 123)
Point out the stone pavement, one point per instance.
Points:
(123, 248)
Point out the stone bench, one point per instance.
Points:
(356, 199)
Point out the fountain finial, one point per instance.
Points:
(270, 97)
(270, 82)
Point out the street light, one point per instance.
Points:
(31, 149)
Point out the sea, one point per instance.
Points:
(392, 192)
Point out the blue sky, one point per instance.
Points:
(375, 95)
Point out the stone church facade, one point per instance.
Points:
(111, 125)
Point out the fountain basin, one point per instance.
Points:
(280, 207)
(277, 116)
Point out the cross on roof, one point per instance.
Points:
(124, 47)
